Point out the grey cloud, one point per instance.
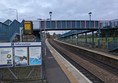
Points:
(62, 9)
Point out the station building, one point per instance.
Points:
(8, 30)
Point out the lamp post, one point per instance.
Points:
(90, 18)
(16, 13)
(50, 13)
(90, 15)
(91, 27)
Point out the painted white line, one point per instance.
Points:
(51, 51)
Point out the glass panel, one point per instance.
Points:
(82, 24)
(87, 24)
(58, 24)
(48, 24)
(42, 24)
(78, 24)
(96, 24)
(63, 24)
(53, 24)
(73, 24)
(68, 24)
(91, 24)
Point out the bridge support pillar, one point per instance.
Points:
(86, 41)
(77, 39)
(93, 39)
(106, 38)
(66, 39)
(98, 38)
(71, 39)
(81, 39)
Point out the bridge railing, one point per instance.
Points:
(69, 24)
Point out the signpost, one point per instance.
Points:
(21, 33)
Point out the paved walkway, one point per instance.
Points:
(54, 73)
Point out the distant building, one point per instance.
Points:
(114, 23)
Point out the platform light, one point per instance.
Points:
(50, 13)
(90, 15)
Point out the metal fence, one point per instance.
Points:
(113, 45)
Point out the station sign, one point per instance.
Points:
(20, 54)
(27, 44)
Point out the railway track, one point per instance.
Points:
(96, 71)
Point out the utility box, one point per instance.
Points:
(27, 27)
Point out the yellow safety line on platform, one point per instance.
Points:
(63, 67)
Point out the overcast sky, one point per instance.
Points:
(61, 9)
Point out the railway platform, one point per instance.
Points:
(59, 70)
(54, 73)
(102, 65)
